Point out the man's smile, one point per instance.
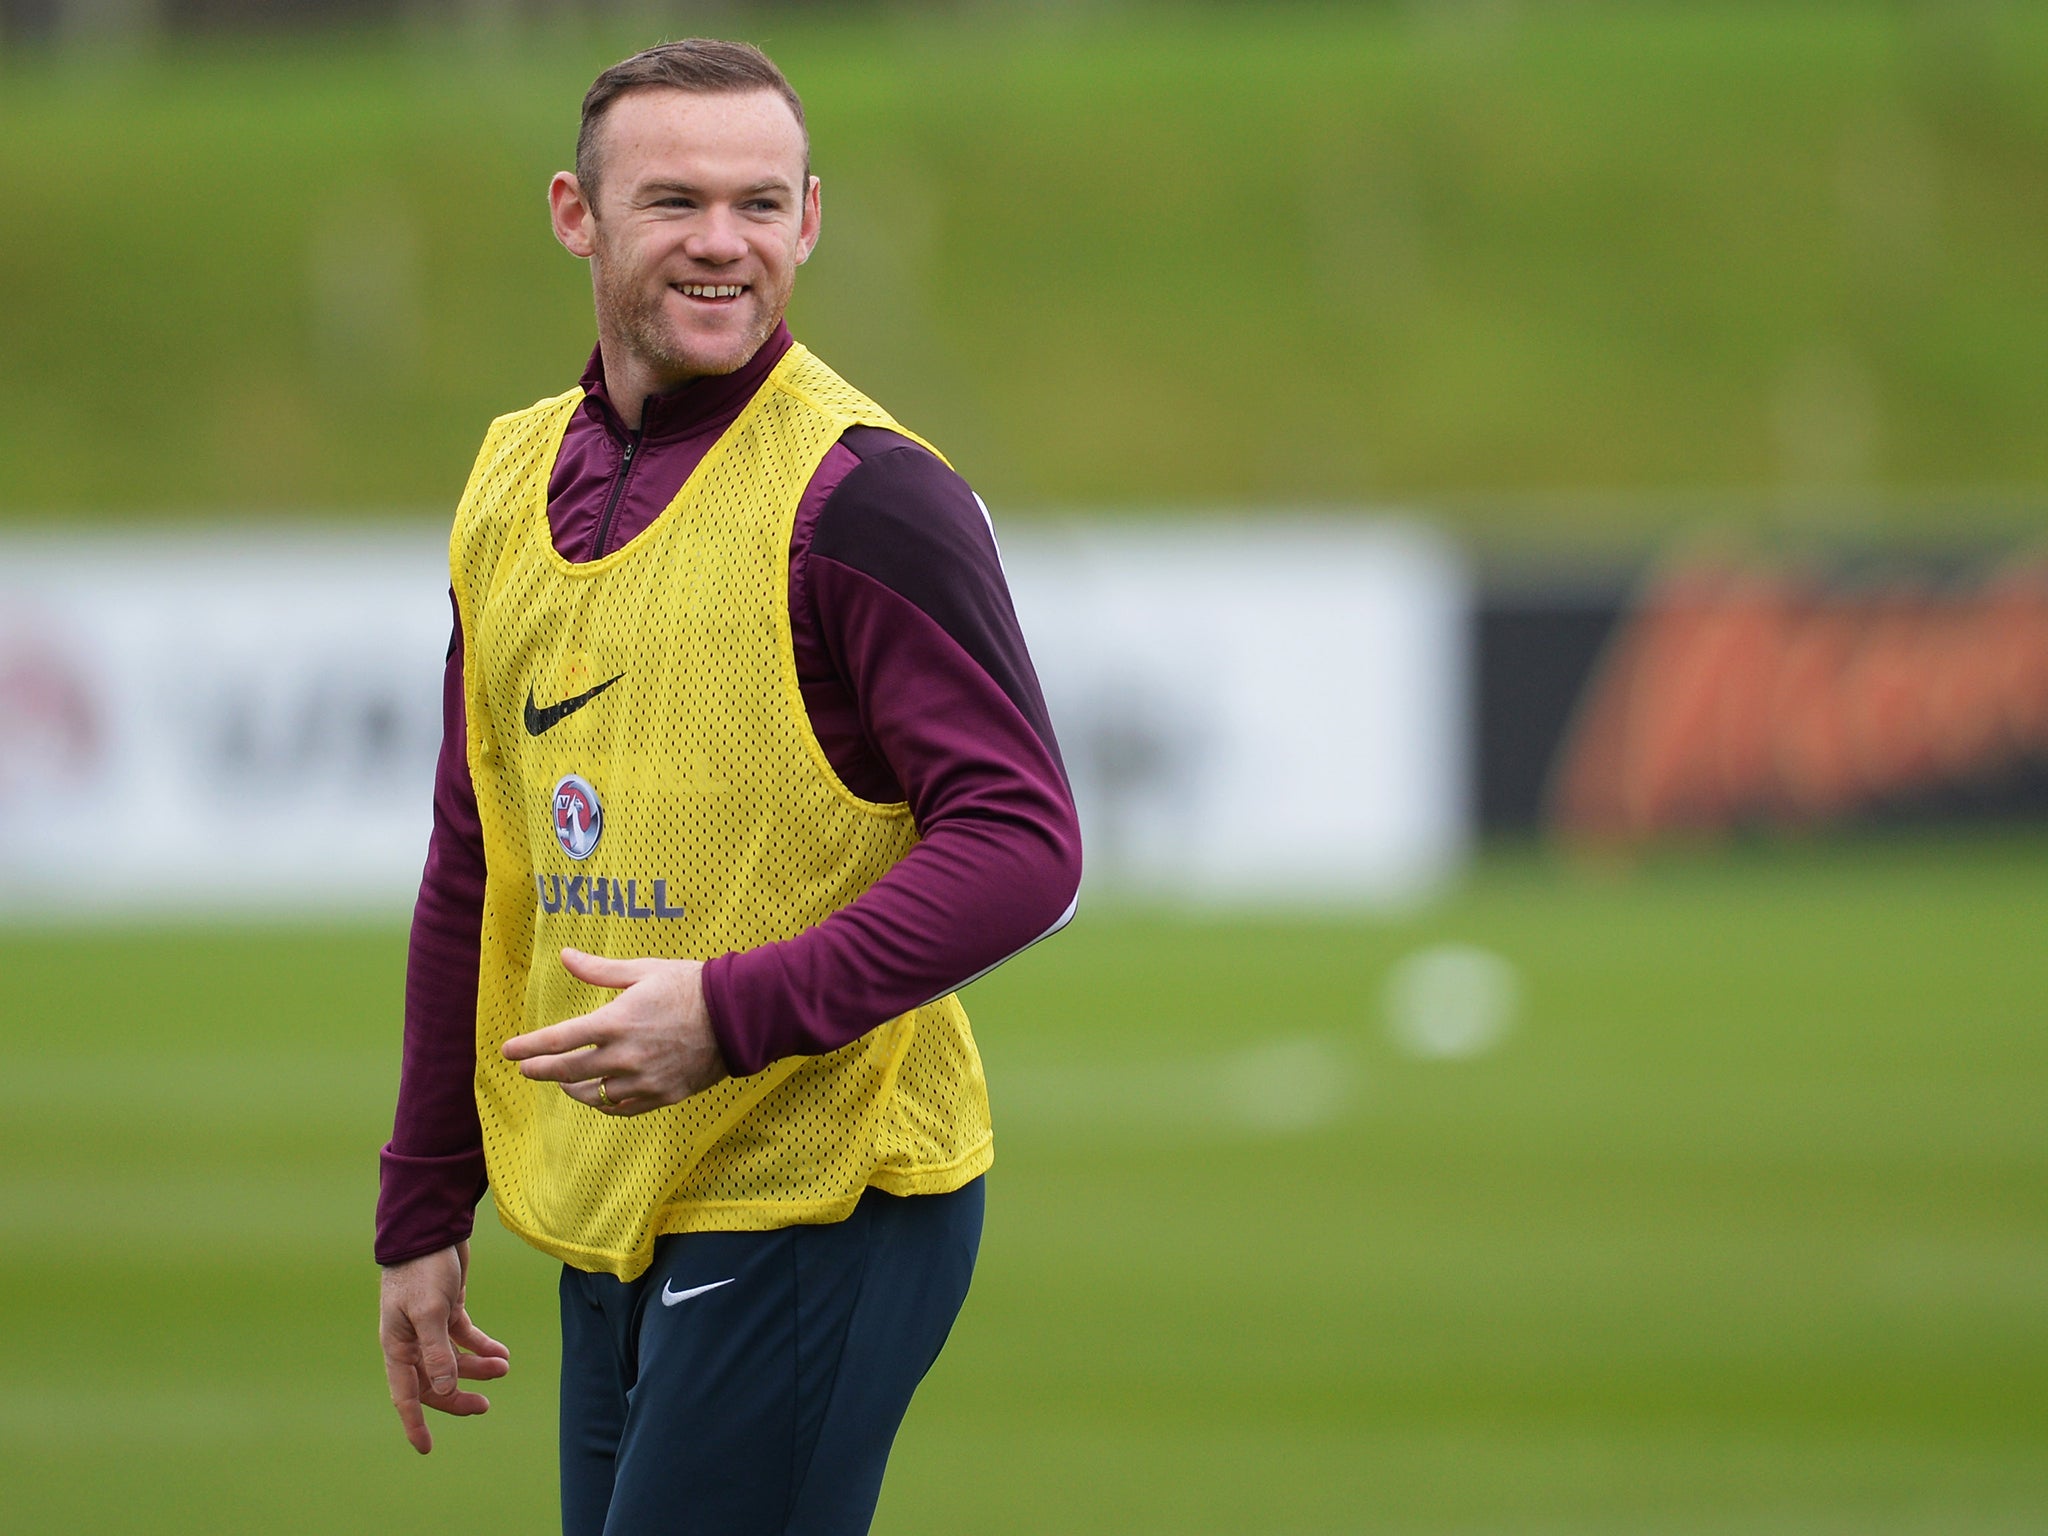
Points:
(710, 293)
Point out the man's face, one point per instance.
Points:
(703, 214)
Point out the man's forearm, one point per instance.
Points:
(432, 1172)
(909, 609)
(954, 907)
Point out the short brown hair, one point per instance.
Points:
(706, 64)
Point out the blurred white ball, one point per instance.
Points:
(1451, 1001)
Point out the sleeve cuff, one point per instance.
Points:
(425, 1204)
(743, 1056)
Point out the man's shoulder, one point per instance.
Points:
(513, 422)
(904, 519)
(899, 497)
(524, 434)
(871, 444)
(515, 447)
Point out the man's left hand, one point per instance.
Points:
(651, 1045)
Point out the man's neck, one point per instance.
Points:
(629, 386)
(629, 383)
(666, 411)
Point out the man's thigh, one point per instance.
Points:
(763, 1374)
(920, 1258)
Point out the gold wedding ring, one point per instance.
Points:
(604, 1098)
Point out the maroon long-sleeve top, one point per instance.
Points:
(918, 686)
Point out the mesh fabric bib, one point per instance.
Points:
(649, 784)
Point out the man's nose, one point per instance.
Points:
(717, 237)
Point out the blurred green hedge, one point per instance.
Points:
(1585, 268)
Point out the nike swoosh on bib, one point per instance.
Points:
(669, 1298)
(539, 719)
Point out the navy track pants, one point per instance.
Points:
(751, 1383)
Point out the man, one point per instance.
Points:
(745, 772)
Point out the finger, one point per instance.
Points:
(615, 1102)
(461, 1405)
(584, 1066)
(405, 1399)
(611, 1102)
(481, 1367)
(602, 970)
(472, 1338)
(586, 1029)
(436, 1368)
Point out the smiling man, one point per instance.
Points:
(745, 771)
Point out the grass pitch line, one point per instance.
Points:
(193, 1214)
(1280, 1088)
(35, 1416)
(1446, 1002)
(317, 1088)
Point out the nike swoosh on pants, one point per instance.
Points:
(669, 1298)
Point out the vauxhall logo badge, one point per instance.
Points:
(579, 818)
(579, 822)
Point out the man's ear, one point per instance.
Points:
(570, 212)
(813, 213)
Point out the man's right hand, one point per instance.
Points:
(430, 1344)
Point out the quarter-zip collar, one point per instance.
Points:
(689, 406)
(609, 483)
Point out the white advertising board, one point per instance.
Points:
(213, 722)
(1256, 712)
(1250, 713)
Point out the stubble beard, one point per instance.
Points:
(637, 315)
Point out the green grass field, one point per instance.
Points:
(1743, 1229)
(1573, 270)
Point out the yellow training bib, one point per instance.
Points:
(649, 785)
